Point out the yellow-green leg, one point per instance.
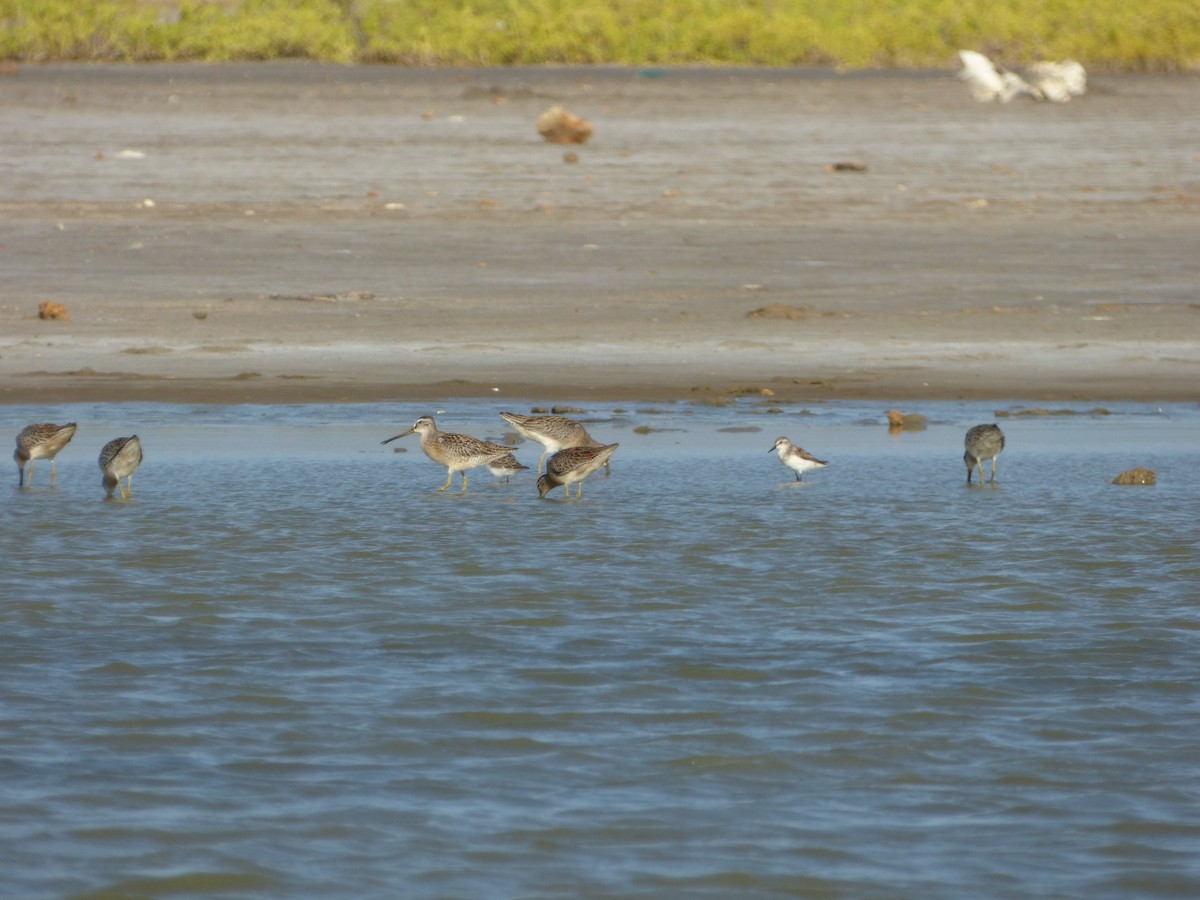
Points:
(449, 478)
(464, 474)
(541, 459)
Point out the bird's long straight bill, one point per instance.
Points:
(400, 435)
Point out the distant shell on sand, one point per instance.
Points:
(1136, 476)
(48, 309)
(780, 311)
(558, 126)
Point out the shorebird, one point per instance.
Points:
(988, 81)
(552, 432)
(571, 466)
(120, 459)
(796, 458)
(1057, 82)
(40, 442)
(982, 442)
(457, 452)
(505, 467)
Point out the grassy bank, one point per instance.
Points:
(1114, 35)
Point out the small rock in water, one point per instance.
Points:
(897, 419)
(1138, 475)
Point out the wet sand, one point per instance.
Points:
(292, 232)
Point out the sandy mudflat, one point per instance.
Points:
(287, 232)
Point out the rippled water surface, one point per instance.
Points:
(290, 668)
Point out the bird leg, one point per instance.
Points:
(464, 488)
(541, 459)
(993, 471)
(52, 470)
(449, 477)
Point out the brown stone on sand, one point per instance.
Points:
(558, 126)
(1136, 476)
(48, 309)
(780, 311)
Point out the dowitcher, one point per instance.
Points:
(40, 442)
(552, 432)
(796, 458)
(571, 466)
(505, 467)
(457, 452)
(982, 442)
(120, 459)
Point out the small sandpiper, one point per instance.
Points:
(571, 466)
(796, 458)
(120, 459)
(982, 442)
(457, 452)
(506, 466)
(40, 442)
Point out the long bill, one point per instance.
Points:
(400, 435)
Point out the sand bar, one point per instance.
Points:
(294, 232)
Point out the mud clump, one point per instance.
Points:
(897, 419)
(780, 311)
(48, 309)
(1137, 476)
(558, 126)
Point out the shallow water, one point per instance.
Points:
(290, 668)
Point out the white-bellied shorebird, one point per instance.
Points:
(506, 466)
(796, 458)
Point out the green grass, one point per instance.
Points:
(1113, 35)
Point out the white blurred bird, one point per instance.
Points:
(1054, 81)
(988, 81)
(1058, 82)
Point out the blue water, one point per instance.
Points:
(288, 667)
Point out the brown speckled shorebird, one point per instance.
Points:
(571, 466)
(552, 432)
(982, 442)
(40, 442)
(796, 458)
(457, 452)
(120, 459)
(506, 466)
